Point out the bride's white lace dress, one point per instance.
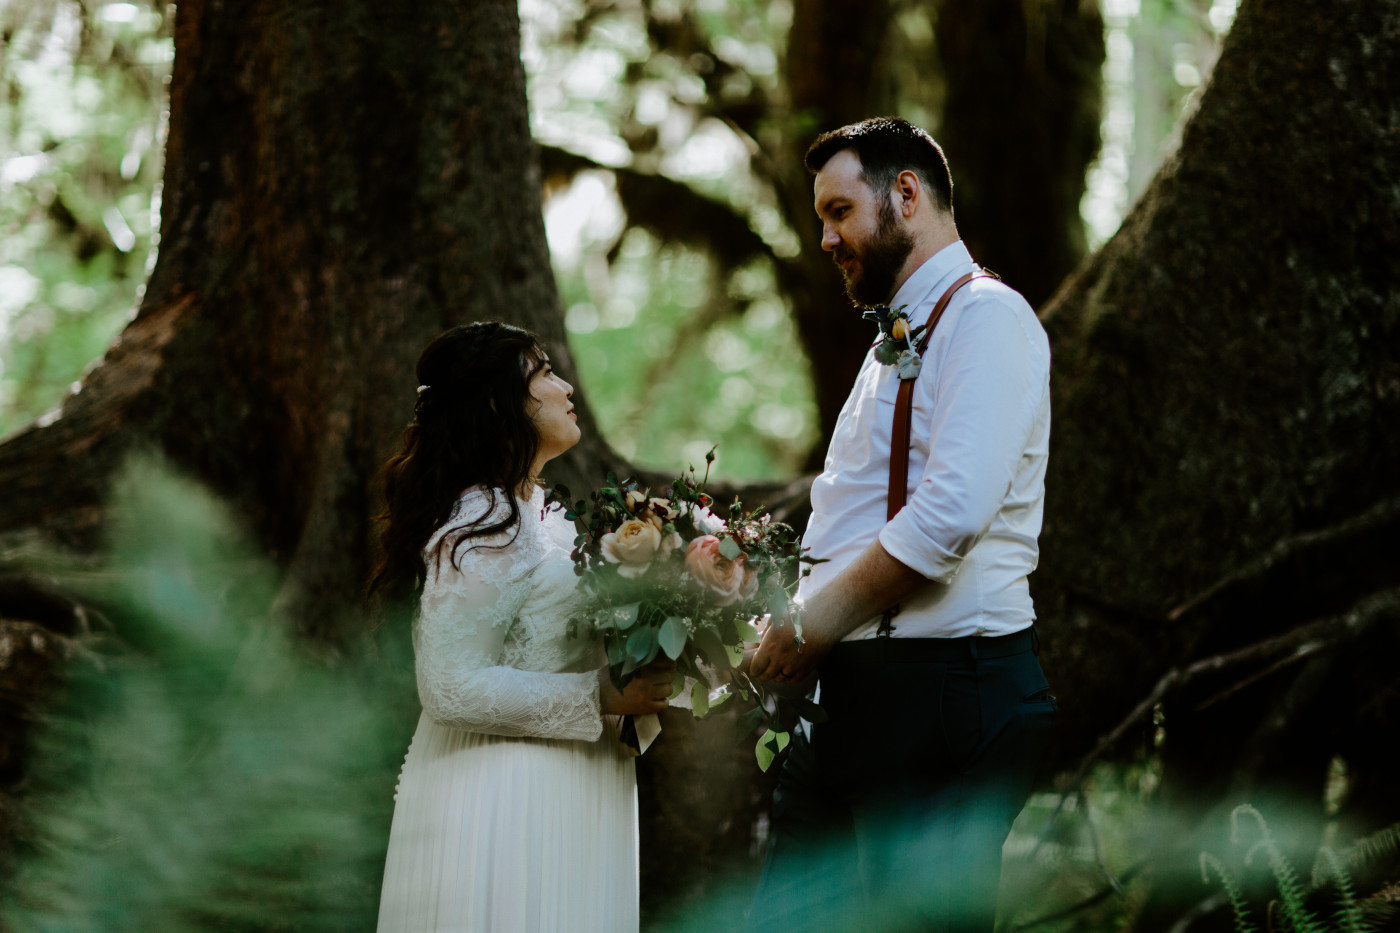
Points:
(515, 810)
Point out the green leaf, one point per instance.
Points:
(887, 352)
(747, 632)
(641, 645)
(769, 746)
(723, 697)
(749, 720)
(729, 548)
(672, 636)
(699, 699)
(677, 685)
(735, 653)
(624, 617)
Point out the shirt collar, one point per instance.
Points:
(938, 271)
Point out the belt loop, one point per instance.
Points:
(1035, 640)
(972, 651)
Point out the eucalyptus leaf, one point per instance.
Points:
(887, 352)
(747, 632)
(729, 548)
(769, 746)
(699, 699)
(672, 636)
(777, 603)
(624, 617)
(641, 645)
(677, 685)
(749, 720)
(720, 698)
(735, 654)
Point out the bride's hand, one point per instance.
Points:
(647, 691)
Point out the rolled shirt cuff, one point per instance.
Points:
(915, 551)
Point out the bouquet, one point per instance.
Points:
(664, 573)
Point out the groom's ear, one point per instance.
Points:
(907, 191)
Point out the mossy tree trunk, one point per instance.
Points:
(1021, 115)
(343, 181)
(1225, 465)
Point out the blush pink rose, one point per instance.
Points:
(725, 579)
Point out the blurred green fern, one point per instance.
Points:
(1290, 911)
(203, 771)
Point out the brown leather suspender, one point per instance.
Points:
(904, 405)
(903, 422)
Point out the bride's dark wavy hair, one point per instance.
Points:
(470, 427)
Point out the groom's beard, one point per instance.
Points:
(879, 261)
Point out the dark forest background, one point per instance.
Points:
(199, 726)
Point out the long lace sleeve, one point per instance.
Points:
(461, 640)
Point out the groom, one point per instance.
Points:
(891, 814)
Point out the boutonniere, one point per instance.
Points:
(897, 337)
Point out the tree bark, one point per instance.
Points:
(1227, 373)
(342, 183)
(1020, 126)
(1227, 385)
(832, 66)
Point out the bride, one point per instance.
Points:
(516, 808)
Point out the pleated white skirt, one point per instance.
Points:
(511, 835)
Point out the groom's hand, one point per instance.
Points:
(780, 656)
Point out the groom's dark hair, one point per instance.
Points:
(887, 146)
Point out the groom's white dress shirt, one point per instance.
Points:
(979, 443)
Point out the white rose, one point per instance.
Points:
(632, 546)
(706, 520)
(668, 544)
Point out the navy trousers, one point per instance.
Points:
(891, 817)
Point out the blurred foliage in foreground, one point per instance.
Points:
(201, 771)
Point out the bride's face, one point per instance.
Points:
(552, 412)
